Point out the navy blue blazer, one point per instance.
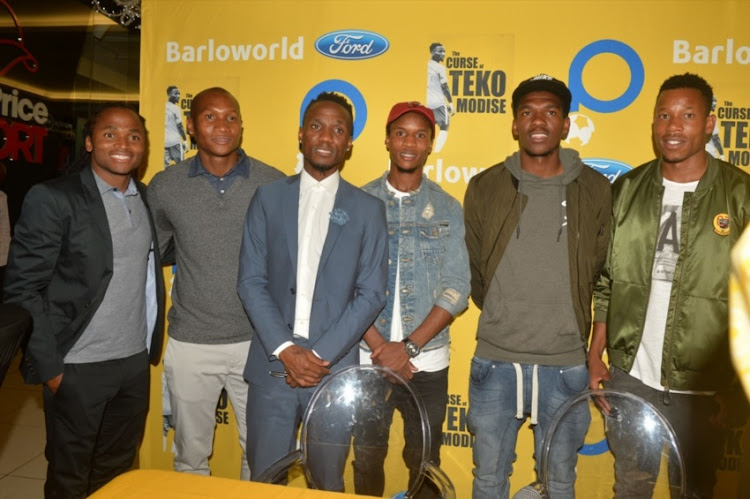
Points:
(60, 265)
(349, 287)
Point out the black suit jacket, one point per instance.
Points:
(60, 265)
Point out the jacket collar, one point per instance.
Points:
(384, 186)
(706, 180)
(99, 213)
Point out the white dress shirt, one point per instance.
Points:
(316, 201)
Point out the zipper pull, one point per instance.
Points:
(666, 398)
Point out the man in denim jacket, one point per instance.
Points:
(428, 284)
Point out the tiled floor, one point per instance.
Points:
(22, 463)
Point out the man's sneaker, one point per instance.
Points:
(533, 491)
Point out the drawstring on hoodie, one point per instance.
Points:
(534, 393)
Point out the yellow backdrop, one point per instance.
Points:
(273, 55)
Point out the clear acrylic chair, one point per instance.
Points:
(647, 459)
(346, 429)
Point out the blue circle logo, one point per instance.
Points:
(575, 76)
(347, 90)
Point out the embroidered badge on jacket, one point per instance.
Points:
(721, 224)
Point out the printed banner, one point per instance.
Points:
(275, 56)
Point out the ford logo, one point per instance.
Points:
(610, 168)
(351, 44)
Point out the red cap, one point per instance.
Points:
(402, 108)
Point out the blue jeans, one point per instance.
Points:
(492, 419)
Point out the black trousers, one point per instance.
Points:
(371, 441)
(701, 443)
(94, 424)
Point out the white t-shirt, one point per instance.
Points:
(647, 364)
(172, 118)
(436, 77)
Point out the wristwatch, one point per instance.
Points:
(412, 349)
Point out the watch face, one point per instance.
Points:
(412, 349)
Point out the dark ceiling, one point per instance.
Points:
(68, 51)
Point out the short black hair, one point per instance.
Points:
(690, 80)
(94, 118)
(336, 99)
(219, 90)
(170, 88)
(435, 45)
(84, 159)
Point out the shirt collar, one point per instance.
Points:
(392, 190)
(242, 167)
(103, 186)
(330, 183)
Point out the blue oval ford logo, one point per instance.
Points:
(610, 168)
(351, 44)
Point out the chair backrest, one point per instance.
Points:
(349, 426)
(641, 441)
(353, 406)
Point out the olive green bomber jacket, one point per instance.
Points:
(696, 351)
(491, 213)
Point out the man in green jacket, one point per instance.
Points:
(661, 301)
(537, 228)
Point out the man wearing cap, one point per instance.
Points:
(428, 284)
(537, 227)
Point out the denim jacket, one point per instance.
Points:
(426, 234)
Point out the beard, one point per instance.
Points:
(322, 168)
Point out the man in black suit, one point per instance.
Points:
(82, 262)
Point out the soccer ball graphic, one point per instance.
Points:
(581, 130)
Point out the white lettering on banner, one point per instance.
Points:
(344, 44)
(703, 54)
(451, 174)
(212, 51)
(13, 107)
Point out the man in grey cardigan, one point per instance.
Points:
(199, 206)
